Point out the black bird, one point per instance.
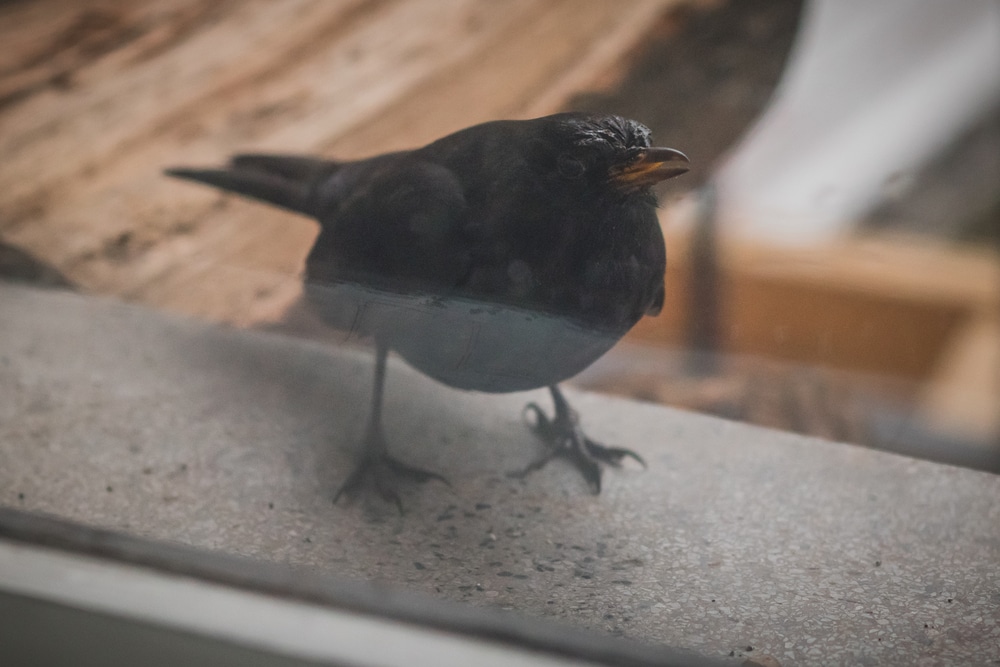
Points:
(504, 257)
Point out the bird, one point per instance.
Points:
(506, 256)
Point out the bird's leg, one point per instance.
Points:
(563, 435)
(377, 466)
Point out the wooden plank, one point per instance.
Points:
(963, 395)
(875, 305)
(146, 85)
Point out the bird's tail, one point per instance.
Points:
(287, 181)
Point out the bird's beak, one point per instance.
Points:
(651, 166)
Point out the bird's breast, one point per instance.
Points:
(465, 343)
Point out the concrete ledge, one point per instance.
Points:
(736, 537)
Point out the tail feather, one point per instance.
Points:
(281, 180)
(292, 167)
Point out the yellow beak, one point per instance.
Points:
(652, 166)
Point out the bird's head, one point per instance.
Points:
(602, 151)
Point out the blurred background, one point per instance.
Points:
(833, 255)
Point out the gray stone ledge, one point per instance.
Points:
(808, 551)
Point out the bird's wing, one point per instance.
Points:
(396, 220)
(657, 304)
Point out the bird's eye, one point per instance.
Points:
(571, 167)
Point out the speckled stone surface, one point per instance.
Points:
(810, 552)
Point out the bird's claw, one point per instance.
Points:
(382, 472)
(611, 455)
(564, 438)
(542, 425)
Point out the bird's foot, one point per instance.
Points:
(383, 473)
(565, 439)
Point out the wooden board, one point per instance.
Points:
(882, 305)
(96, 99)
